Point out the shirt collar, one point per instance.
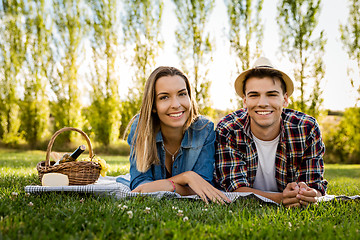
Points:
(247, 129)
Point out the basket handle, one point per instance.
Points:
(52, 140)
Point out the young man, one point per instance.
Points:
(267, 149)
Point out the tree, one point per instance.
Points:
(104, 111)
(12, 55)
(298, 20)
(343, 141)
(350, 37)
(68, 37)
(142, 25)
(245, 28)
(194, 47)
(35, 105)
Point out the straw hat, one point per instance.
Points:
(262, 62)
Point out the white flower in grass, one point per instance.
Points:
(130, 214)
(290, 225)
(185, 219)
(147, 210)
(230, 211)
(180, 213)
(31, 204)
(174, 208)
(82, 200)
(124, 207)
(204, 209)
(14, 194)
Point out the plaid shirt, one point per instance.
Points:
(299, 156)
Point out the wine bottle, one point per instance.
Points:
(77, 153)
(74, 155)
(63, 159)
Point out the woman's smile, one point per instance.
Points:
(176, 115)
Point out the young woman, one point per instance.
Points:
(172, 147)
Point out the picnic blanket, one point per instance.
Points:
(109, 186)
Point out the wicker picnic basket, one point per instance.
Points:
(79, 172)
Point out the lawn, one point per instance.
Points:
(80, 216)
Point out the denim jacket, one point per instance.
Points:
(196, 154)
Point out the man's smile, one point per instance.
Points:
(263, 112)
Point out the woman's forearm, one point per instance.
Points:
(166, 185)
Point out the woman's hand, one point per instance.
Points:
(202, 188)
(196, 185)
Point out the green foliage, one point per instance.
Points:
(129, 108)
(81, 216)
(245, 29)
(35, 116)
(104, 118)
(115, 148)
(194, 47)
(343, 141)
(298, 20)
(64, 115)
(350, 37)
(12, 55)
(104, 114)
(35, 106)
(68, 37)
(10, 123)
(141, 26)
(42, 45)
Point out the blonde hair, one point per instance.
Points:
(149, 122)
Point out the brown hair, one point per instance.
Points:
(265, 72)
(149, 122)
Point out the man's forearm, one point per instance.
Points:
(276, 197)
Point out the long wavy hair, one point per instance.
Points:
(149, 122)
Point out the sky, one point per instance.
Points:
(337, 91)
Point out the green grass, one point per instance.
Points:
(80, 216)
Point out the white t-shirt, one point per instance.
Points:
(265, 174)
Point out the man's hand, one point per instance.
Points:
(289, 195)
(307, 195)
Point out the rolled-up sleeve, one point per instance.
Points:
(312, 165)
(204, 165)
(230, 167)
